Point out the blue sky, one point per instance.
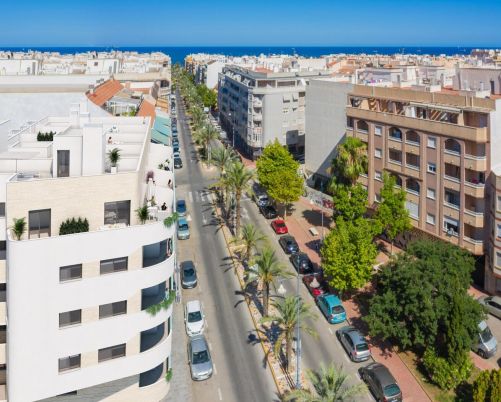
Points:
(251, 22)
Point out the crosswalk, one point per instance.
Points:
(204, 196)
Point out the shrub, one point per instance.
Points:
(45, 136)
(168, 375)
(73, 225)
(487, 386)
(446, 374)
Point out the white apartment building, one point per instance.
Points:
(258, 106)
(75, 313)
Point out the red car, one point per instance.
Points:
(279, 226)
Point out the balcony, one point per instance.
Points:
(442, 128)
(478, 163)
(152, 295)
(257, 117)
(151, 337)
(257, 102)
(472, 218)
(476, 247)
(156, 253)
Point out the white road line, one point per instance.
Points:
(190, 196)
(220, 394)
(330, 330)
(202, 195)
(204, 219)
(215, 369)
(197, 196)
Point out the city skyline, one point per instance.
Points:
(275, 24)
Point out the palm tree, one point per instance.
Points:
(351, 161)
(222, 158)
(197, 116)
(205, 135)
(238, 179)
(19, 227)
(268, 269)
(290, 310)
(251, 237)
(330, 385)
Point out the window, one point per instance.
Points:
(498, 259)
(378, 130)
(117, 212)
(378, 175)
(39, 223)
(70, 272)
(430, 193)
(63, 163)
(430, 219)
(432, 168)
(113, 352)
(114, 265)
(451, 226)
(69, 363)
(378, 153)
(498, 207)
(2, 209)
(3, 249)
(395, 134)
(70, 318)
(498, 231)
(413, 209)
(395, 156)
(377, 197)
(432, 142)
(112, 309)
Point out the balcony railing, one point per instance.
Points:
(473, 241)
(452, 152)
(453, 206)
(473, 184)
(414, 167)
(452, 178)
(473, 213)
(475, 157)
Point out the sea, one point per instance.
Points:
(178, 54)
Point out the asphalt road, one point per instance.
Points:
(240, 373)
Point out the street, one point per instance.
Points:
(240, 373)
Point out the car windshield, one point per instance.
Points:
(391, 390)
(200, 357)
(189, 272)
(194, 316)
(183, 226)
(180, 204)
(338, 310)
(486, 334)
(280, 224)
(362, 347)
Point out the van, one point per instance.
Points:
(485, 344)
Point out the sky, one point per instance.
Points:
(117, 23)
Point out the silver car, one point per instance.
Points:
(188, 275)
(486, 344)
(199, 358)
(354, 343)
(492, 305)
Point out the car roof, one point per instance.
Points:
(288, 238)
(181, 202)
(193, 305)
(382, 373)
(182, 221)
(187, 264)
(198, 343)
(354, 334)
(333, 300)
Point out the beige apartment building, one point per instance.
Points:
(443, 148)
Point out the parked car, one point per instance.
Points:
(183, 229)
(194, 318)
(331, 307)
(181, 207)
(354, 343)
(188, 275)
(316, 284)
(175, 141)
(485, 344)
(381, 382)
(302, 263)
(199, 358)
(261, 199)
(176, 154)
(174, 134)
(288, 244)
(492, 304)
(268, 211)
(175, 148)
(178, 163)
(279, 226)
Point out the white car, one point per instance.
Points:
(194, 318)
(177, 154)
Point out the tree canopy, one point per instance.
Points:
(350, 162)
(350, 202)
(277, 172)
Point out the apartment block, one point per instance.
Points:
(75, 315)
(441, 148)
(259, 106)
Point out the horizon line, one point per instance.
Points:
(253, 46)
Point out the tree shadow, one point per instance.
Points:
(314, 218)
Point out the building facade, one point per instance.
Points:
(257, 107)
(85, 333)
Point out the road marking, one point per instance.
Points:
(202, 195)
(215, 369)
(197, 196)
(190, 196)
(220, 394)
(210, 346)
(204, 219)
(330, 330)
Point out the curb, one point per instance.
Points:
(275, 380)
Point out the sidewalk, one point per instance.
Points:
(306, 216)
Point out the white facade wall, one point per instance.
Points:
(19, 66)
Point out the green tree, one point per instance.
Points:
(422, 301)
(288, 311)
(330, 384)
(487, 386)
(223, 158)
(277, 172)
(348, 254)
(391, 213)
(350, 203)
(251, 238)
(268, 269)
(204, 136)
(238, 178)
(447, 374)
(350, 162)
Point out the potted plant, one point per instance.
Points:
(161, 166)
(142, 214)
(19, 227)
(114, 156)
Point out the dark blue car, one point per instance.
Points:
(181, 207)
